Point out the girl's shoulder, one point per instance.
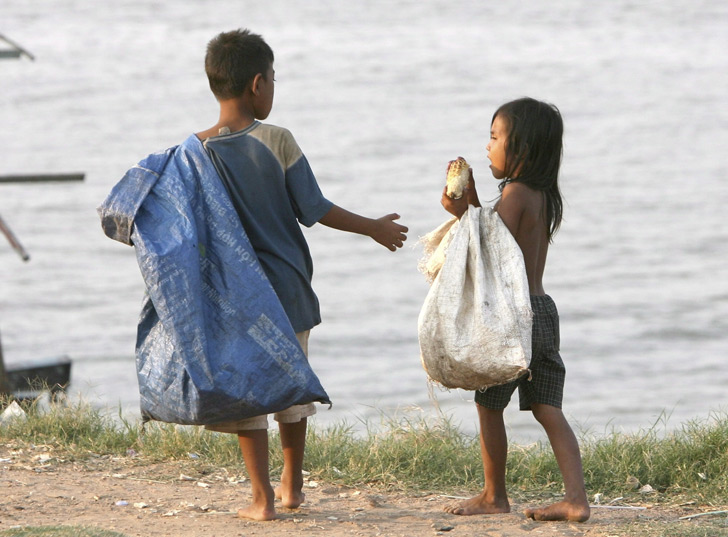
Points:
(516, 187)
(522, 197)
(519, 191)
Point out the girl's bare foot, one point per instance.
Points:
(564, 510)
(479, 505)
(291, 499)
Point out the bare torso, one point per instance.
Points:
(522, 209)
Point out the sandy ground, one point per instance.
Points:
(180, 499)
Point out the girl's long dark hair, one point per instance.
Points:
(533, 152)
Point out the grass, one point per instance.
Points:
(410, 455)
(685, 466)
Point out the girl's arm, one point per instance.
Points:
(383, 230)
(511, 205)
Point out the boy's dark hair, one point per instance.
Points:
(533, 152)
(232, 61)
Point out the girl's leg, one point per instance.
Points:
(494, 451)
(254, 447)
(575, 506)
(293, 442)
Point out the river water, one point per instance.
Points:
(380, 95)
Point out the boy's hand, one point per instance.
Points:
(389, 233)
(384, 230)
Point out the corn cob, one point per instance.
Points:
(458, 174)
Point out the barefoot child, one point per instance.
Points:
(273, 190)
(525, 153)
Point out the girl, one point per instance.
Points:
(525, 154)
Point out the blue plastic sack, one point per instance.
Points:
(214, 343)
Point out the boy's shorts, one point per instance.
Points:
(292, 414)
(546, 384)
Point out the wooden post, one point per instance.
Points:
(13, 240)
(42, 178)
(16, 52)
(4, 388)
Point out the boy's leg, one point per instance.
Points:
(254, 447)
(575, 506)
(494, 450)
(292, 424)
(293, 442)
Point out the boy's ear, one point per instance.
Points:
(255, 83)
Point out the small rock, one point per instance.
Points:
(121, 503)
(11, 413)
(375, 501)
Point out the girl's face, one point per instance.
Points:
(497, 147)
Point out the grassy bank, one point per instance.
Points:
(689, 463)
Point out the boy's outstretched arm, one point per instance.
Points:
(384, 230)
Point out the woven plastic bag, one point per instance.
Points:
(475, 324)
(213, 342)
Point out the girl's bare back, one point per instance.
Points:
(522, 209)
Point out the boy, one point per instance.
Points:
(273, 189)
(525, 152)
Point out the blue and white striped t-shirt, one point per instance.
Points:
(273, 188)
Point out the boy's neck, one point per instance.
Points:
(235, 114)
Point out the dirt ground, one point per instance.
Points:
(138, 498)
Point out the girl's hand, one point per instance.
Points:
(471, 193)
(458, 207)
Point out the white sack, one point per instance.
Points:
(475, 325)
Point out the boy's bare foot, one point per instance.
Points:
(573, 512)
(479, 505)
(260, 512)
(291, 500)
